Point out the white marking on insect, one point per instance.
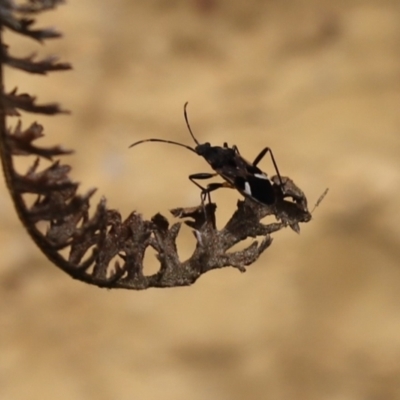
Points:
(247, 188)
(261, 176)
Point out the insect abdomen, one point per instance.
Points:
(258, 188)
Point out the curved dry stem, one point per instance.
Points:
(95, 241)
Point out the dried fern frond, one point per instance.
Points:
(95, 241)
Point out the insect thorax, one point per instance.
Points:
(218, 157)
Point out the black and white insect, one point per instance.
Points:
(237, 172)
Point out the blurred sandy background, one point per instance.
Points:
(318, 316)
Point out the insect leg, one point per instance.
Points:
(202, 175)
(261, 156)
(234, 148)
(205, 191)
(214, 186)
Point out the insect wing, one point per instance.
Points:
(249, 180)
(259, 188)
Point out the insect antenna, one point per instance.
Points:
(187, 123)
(163, 141)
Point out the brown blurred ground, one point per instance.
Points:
(318, 317)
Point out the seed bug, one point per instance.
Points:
(237, 172)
